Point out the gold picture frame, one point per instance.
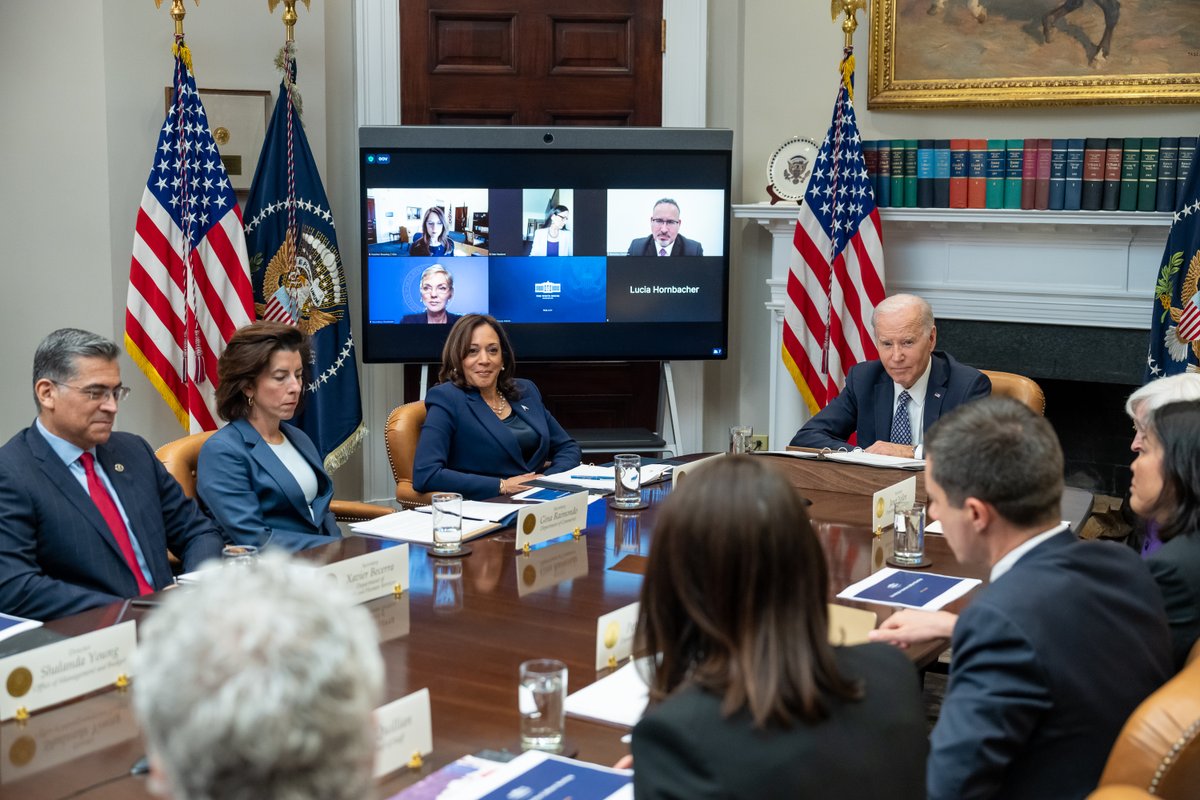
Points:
(939, 53)
(237, 119)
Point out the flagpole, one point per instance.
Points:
(178, 12)
(290, 17)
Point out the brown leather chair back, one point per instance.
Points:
(1120, 793)
(1018, 387)
(400, 434)
(1158, 750)
(180, 458)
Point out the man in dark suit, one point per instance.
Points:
(87, 514)
(890, 403)
(664, 238)
(1068, 637)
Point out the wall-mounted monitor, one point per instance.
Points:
(587, 243)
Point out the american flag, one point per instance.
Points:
(281, 307)
(189, 278)
(836, 275)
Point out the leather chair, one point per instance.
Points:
(1018, 387)
(181, 456)
(401, 432)
(1158, 750)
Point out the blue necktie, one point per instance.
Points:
(901, 424)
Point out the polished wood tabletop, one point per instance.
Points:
(461, 631)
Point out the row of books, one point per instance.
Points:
(1134, 174)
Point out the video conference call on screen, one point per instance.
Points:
(582, 255)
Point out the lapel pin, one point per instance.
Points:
(119, 467)
(524, 407)
(937, 395)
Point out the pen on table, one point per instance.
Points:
(589, 478)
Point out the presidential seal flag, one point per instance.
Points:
(1175, 320)
(189, 279)
(835, 279)
(297, 274)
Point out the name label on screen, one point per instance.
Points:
(372, 575)
(68, 669)
(550, 520)
(404, 728)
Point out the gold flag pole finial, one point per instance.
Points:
(289, 14)
(848, 8)
(178, 12)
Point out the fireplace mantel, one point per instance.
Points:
(1076, 268)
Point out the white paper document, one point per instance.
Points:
(909, 589)
(415, 527)
(618, 699)
(11, 626)
(602, 479)
(480, 510)
(790, 453)
(874, 460)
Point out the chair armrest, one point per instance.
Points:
(353, 511)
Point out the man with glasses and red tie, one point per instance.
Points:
(86, 513)
(890, 403)
(664, 238)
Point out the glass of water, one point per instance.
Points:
(447, 522)
(239, 554)
(910, 535)
(627, 469)
(739, 439)
(541, 697)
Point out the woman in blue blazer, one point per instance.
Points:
(261, 480)
(486, 432)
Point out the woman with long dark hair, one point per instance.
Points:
(434, 239)
(747, 697)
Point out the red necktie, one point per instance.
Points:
(112, 516)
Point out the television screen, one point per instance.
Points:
(587, 243)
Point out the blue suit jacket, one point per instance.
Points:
(251, 494)
(57, 554)
(1048, 663)
(866, 404)
(465, 448)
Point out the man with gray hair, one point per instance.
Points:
(890, 403)
(87, 514)
(259, 683)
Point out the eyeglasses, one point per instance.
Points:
(98, 394)
(670, 223)
(561, 216)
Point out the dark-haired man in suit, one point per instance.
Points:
(87, 514)
(664, 238)
(890, 403)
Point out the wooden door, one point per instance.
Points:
(529, 62)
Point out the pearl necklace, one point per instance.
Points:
(498, 409)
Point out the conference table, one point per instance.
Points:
(461, 630)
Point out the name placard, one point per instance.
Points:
(372, 575)
(65, 670)
(614, 635)
(550, 520)
(550, 566)
(884, 502)
(404, 727)
(63, 735)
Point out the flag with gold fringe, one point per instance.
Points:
(1175, 319)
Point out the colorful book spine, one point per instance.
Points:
(870, 151)
(1131, 164)
(1168, 165)
(883, 198)
(958, 172)
(1028, 173)
(1014, 161)
(924, 173)
(1093, 174)
(1058, 174)
(941, 173)
(1041, 194)
(897, 173)
(1148, 175)
(1073, 196)
(1187, 153)
(910, 173)
(996, 152)
(1110, 199)
(977, 174)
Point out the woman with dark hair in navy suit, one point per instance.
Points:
(486, 431)
(263, 481)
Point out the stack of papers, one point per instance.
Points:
(618, 699)
(873, 460)
(416, 527)
(481, 510)
(603, 479)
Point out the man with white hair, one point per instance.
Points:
(259, 683)
(890, 403)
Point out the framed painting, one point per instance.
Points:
(939, 53)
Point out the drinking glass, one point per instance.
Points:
(242, 555)
(909, 532)
(447, 522)
(541, 697)
(739, 439)
(627, 469)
